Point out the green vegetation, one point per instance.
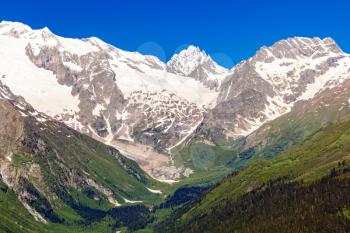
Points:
(209, 163)
(268, 141)
(15, 218)
(307, 162)
(70, 180)
(78, 170)
(93, 158)
(345, 212)
(280, 206)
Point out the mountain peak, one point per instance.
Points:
(190, 53)
(315, 43)
(329, 40)
(298, 48)
(12, 24)
(17, 29)
(14, 29)
(193, 50)
(46, 30)
(188, 60)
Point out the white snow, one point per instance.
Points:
(44, 37)
(134, 70)
(284, 74)
(154, 191)
(34, 213)
(166, 181)
(131, 202)
(77, 46)
(110, 135)
(38, 86)
(276, 72)
(228, 91)
(114, 202)
(189, 59)
(333, 77)
(98, 108)
(149, 80)
(72, 66)
(8, 28)
(9, 157)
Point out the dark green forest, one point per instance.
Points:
(279, 206)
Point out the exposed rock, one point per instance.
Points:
(269, 84)
(194, 63)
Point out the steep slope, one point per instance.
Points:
(135, 102)
(94, 82)
(269, 84)
(257, 115)
(62, 176)
(266, 187)
(192, 62)
(304, 119)
(15, 218)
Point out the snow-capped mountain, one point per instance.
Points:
(130, 100)
(269, 84)
(193, 62)
(88, 84)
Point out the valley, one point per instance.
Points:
(97, 139)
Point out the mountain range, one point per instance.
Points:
(88, 129)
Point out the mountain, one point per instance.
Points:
(62, 176)
(192, 62)
(304, 119)
(90, 135)
(271, 101)
(103, 91)
(270, 83)
(303, 189)
(133, 102)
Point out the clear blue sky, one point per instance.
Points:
(228, 30)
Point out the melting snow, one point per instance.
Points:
(154, 191)
(72, 66)
(131, 202)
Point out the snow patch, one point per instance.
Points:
(131, 202)
(72, 66)
(154, 191)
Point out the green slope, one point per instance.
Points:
(309, 161)
(225, 154)
(15, 218)
(105, 165)
(68, 178)
(303, 120)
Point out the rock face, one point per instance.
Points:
(195, 63)
(269, 84)
(114, 95)
(96, 88)
(92, 82)
(160, 119)
(43, 161)
(11, 128)
(305, 118)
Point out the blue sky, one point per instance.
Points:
(230, 31)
